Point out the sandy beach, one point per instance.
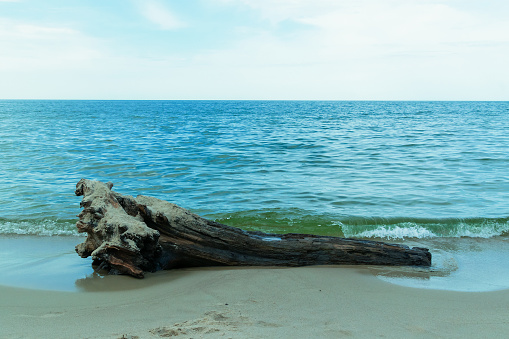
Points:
(307, 302)
(315, 302)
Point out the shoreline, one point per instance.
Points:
(458, 264)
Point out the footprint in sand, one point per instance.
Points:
(215, 322)
(211, 322)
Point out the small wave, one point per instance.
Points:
(397, 232)
(281, 221)
(474, 228)
(38, 227)
(488, 229)
(300, 221)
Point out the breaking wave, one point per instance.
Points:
(46, 227)
(297, 221)
(281, 221)
(430, 228)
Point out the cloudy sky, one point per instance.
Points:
(255, 49)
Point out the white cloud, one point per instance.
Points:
(369, 29)
(27, 46)
(365, 50)
(160, 15)
(280, 10)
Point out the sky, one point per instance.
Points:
(255, 49)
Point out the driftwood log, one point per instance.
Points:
(129, 235)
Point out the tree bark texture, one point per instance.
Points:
(129, 235)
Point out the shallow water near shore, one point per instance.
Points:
(464, 264)
(50, 263)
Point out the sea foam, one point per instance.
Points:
(397, 232)
(408, 230)
(38, 227)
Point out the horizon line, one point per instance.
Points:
(337, 100)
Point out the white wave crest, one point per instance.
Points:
(487, 229)
(44, 228)
(397, 232)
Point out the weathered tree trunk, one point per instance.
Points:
(129, 235)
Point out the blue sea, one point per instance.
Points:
(410, 172)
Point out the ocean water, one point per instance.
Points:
(392, 170)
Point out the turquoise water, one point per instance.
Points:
(390, 170)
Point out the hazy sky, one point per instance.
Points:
(255, 49)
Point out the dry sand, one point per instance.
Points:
(308, 302)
